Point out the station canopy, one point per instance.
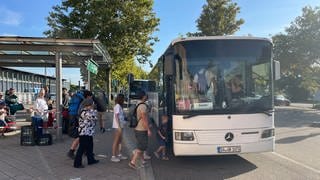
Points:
(41, 52)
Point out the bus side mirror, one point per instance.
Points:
(276, 65)
(168, 64)
(130, 78)
(178, 58)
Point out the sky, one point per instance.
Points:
(177, 17)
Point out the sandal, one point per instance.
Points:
(165, 158)
(133, 166)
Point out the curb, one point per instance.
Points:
(145, 173)
(315, 124)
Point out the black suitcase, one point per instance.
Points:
(27, 136)
(44, 140)
(37, 124)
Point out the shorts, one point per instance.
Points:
(161, 141)
(142, 140)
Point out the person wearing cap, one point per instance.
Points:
(87, 122)
(142, 130)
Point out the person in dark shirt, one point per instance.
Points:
(162, 137)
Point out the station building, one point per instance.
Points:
(27, 84)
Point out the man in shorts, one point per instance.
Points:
(142, 131)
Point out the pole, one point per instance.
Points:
(89, 80)
(58, 94)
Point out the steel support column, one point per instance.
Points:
(58, 94)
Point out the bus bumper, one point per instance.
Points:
(188, 149)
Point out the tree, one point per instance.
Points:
(124, 27)
(298, 51)
(218, 18)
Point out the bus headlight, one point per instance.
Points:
(267, 133)
(184, 136)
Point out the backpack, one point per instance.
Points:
(101, 101)
(133, 119)
(75, 102)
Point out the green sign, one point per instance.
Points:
(92, 66)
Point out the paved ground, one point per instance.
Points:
(51, 162)
(296, 155)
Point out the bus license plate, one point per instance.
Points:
(229, 149)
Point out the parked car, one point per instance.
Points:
(281, 100)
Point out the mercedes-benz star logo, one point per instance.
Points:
(229, 137)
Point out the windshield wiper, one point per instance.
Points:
(189, 116)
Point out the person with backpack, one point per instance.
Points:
(142, 130)
(117, 125)
(74, 105)
(101, 101)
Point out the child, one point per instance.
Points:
(162, 138)
(86, 128)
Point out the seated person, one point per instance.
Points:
(212, 90)
(3, 114)
(236, 86)
(200, 81)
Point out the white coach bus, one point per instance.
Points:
(218, 94)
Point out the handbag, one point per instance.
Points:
(65, 114)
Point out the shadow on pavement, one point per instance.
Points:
(200, 167)
(206, 167)
(295, 118)
(294, 139)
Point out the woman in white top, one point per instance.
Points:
(41, 106)
(118, 124)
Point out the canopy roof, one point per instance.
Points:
(40, 52)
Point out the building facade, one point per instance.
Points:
(26, 84)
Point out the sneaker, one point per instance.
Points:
(121, 157)
(156, 155)
(165, 158)
(144, 163)
(70, 154)
(146, 156)
(93, 162)
(115, 159)
(133, 166)
(80, 166)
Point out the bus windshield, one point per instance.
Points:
(223, 76)
(138, 85)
